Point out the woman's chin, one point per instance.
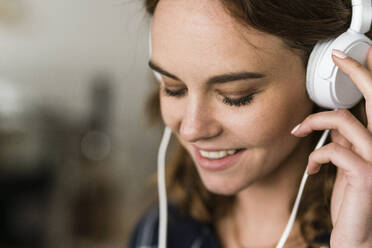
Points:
(221, 187)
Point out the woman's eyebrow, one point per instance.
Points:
(157, 68)
(228, 77)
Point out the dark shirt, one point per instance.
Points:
(182, 232)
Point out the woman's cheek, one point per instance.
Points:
(256, 130)
(262, 123)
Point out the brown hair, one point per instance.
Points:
(300, 24)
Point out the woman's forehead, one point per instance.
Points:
(203, 12)
(202, 18)
(204, 30)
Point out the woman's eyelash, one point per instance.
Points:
(176, 93)
(245, 100)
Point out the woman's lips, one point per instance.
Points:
(217, 164)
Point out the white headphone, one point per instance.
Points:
(326, 85)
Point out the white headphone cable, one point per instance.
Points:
(162, 238)
(292, 218)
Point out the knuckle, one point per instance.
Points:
(308, 118)
(354, 67)
(309, 121)
(356, 64)
(333, 149)
(344, 114)
(312, 155)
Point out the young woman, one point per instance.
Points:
(232, 89)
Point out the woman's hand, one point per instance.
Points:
(351, 151)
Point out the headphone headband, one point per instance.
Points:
(361, 16)
(156, 74)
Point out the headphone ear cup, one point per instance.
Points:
(314, 59)
(326, 84)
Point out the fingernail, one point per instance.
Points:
(339, 54)
(295, 128)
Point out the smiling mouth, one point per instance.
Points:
(215, 155)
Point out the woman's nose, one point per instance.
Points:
(198, 123)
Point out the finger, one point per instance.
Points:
(339, 139)
(360, 76)
(352, 165)
(338, 155)
(345, 123)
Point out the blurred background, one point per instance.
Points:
(76, 152)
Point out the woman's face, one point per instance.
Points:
(230, 95)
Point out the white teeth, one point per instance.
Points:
(231, 152)
(217, 154)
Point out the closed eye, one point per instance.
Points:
(175, 93)
(245, 100)
(237, 102)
